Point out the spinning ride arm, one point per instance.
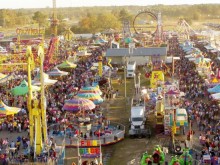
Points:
(50, 53)
(43, 99)
(37, 113)
(29, 102)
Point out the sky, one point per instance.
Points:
(16, 4)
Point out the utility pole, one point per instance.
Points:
(125, 79)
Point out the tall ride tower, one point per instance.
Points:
(159, 31)
(54, 20)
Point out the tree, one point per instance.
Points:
(124, 15)
(8, 18)
(108, 20)
(92, 23)
(88, 24)
(40, 18)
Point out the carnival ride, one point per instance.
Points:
(68, 34)
(54, 21)
(175, 161)
(37, 114)
(184, 30)
(34, 114)
(186, 158)
(149, 25)
(49, 58)
(18, 48)
(146, 159)
(36, 105)
(157, 157)
(17, 58)
(126, 32)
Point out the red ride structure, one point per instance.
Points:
(50, 53)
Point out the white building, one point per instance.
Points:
(140, 55)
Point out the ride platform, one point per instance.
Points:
(112, 134)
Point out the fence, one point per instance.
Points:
(117, 134)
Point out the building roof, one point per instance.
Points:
(161, 51)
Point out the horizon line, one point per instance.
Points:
(113, 6)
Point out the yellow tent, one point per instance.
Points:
(156, 76)
(66, 64)
(4, 109)
(2, 75)
(215, 80)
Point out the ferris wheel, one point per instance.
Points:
(145, 22)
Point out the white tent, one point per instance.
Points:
(216, 96)
(190, 56)
(47, 81)
(170, 59)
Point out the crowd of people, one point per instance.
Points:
(65, 88)
(203, 111)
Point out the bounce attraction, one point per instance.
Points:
(146, 159)
(185, 158)
(158, 155)
(174, 161)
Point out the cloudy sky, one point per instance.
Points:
(77, 3)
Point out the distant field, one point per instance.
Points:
(167, 25)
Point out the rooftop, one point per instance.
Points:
(160, 51)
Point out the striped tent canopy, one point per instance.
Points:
(78, 104)
(91, 89)
(95, 98)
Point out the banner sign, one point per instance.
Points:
(89, 143)
(90, 152)
(30, 31)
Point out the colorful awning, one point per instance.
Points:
(78, 104)
(22, 89)
(95, 98)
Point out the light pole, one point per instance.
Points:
(125, 71)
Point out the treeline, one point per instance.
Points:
(94, 19)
